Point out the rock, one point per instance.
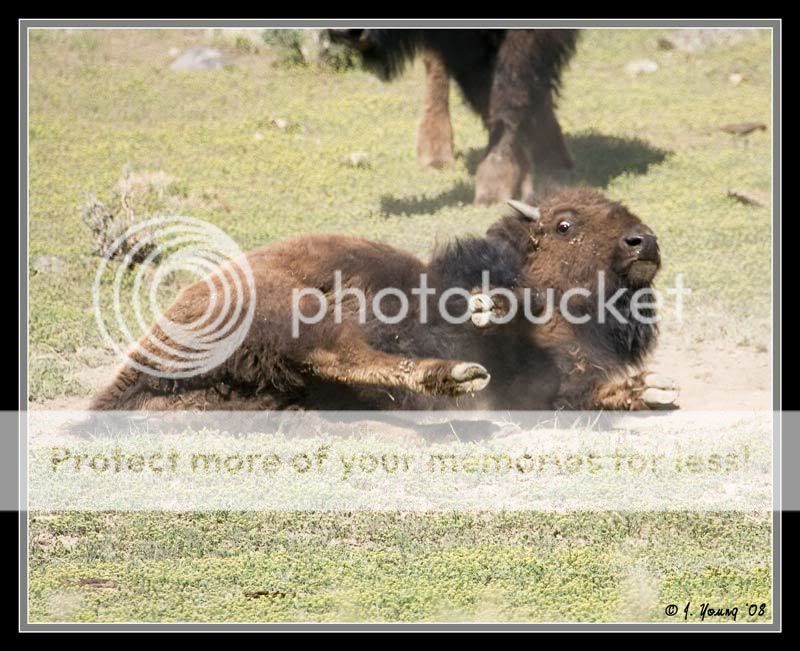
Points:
(48, 263)
(697, 40)
(660, 398)
(199, 58)
(358, 159)
(69, 542)
(641, 66)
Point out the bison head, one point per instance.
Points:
(580, 232)
(383, 51)
(580, 240)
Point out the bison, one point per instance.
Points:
(369, 359)
(509, 77)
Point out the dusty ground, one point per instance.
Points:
(719, 376)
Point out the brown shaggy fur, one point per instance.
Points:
(509, 77)
(410, 365)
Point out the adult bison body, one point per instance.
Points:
(376, 361)
(509, 77)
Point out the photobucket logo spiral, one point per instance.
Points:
(182, 344)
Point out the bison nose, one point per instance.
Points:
(641, 243)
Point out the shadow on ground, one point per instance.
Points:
(599, 159)
(461, 192)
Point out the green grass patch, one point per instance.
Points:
(251, 567)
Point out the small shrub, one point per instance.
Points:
(134, 198)
(310, 47)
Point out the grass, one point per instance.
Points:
(102, 100)
(588, 567)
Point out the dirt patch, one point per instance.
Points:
(722, 376)
(98, 583)
(96, 378)
(64, 605)
(700, 40)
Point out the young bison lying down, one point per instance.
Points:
(356, 360)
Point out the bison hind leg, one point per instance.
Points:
(211, 400)
(125, 392)
(435, 132)
(133, 390)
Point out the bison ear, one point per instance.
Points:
(531, 213)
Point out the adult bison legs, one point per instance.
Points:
(525, 138)
(509, 109)
(356, 363)
(528, 162)
(549, 165)
(435, 132)
(550, 162)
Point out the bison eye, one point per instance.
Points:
(563, 227)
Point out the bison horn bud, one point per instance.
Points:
(528, 212)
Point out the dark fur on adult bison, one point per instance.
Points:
(509, 77)
(365, 363)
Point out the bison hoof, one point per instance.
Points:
(496, 179)
(438, 158)
(438, 163)
(660, 392)
(488, 195)
(480, 307)
(469, 377)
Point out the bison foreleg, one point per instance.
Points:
(550, 165)
(524, 134)
(500, 173)
(545, 162)
(514, 97)
(362, 365)
(435, 133)
(638, 392)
